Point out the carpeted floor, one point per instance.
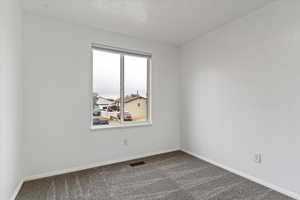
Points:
(171, 176)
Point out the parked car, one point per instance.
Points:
(100, 122)
(97, 112)
(127, 116)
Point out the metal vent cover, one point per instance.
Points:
(135, 164)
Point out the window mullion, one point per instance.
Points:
(122, 89)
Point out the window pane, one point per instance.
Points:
(135, 89)
(106, 88)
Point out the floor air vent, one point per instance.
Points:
(135, 164)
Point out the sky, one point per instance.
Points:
(106, 74)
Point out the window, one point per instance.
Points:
(121, 87)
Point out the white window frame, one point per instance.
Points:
(123, 52)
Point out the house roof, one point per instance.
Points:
(106, 98)
(128, 99)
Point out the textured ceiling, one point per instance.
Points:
(171, 21)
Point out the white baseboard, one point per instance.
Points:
(247, 176)
(98, 164)
(18, 188)
(93, 165)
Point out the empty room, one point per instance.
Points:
(149, 100)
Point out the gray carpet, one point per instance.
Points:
(171, 176)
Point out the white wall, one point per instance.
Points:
(10, 98)
(58, 91)
(241, 94)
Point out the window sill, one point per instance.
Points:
(136, 124)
